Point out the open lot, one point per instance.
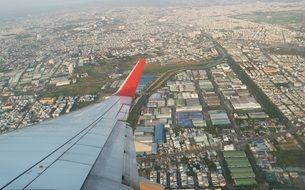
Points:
(281, 17)
(290, 158)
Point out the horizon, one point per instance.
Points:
(15, 8)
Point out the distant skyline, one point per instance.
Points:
(11, 8)
(23, 4)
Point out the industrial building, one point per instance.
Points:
(159, 134)
(240, 168)
(219, 117)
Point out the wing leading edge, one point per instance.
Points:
(88, 149)
(130, 85)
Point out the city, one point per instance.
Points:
(221, 103)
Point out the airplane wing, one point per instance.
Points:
(91, 148)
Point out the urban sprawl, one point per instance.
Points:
(223, 88)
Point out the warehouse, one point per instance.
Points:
(159, 136)
(211, 99)
(240, 168)
(189, 108)
(245, 103)
(171, 102)
(192, 101)
(181, 102)
(148, 139)
(145, 130)
(190, 119)
(258, 115)
(164, 113)
(154, 122)
(156, 100)
(205, 85)
(185, 123)
(228, 94)
(219, 117)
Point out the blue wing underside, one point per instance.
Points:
(89, 149)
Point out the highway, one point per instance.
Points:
(142, 99)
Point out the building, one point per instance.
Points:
(159, 136)
(240, 168)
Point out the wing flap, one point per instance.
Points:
(39, 146)
(111, 164)
(75, 173)
(63, 153)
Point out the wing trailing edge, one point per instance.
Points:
(129, 86)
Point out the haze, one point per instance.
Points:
(9, 8)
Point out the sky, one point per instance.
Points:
(19, 5)
(25, 4)
(11, 8)
(22, 7)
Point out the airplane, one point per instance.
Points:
(91, 148)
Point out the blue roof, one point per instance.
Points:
(185, 123)
(144, 81)
(159, 133)
(190, 115)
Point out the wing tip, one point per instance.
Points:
(129, 86)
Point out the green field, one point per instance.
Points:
(281, 17)
(98, 75)
(90, 85)
(287, 158)
(156, 68)
(85, 86)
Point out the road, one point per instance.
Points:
(142, 99)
